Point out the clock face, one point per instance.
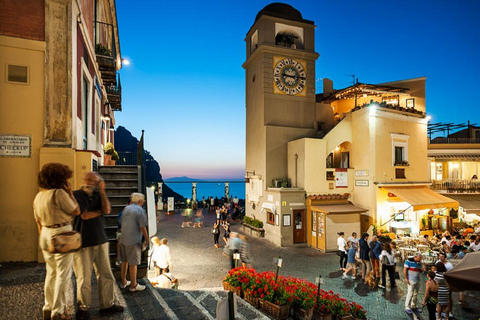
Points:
(289, 76)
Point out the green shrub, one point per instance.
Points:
(110, 149)
(253, 222)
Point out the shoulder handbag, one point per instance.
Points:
(64, 242)
(215, 231)
(385, 260)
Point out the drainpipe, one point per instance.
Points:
(296, 160)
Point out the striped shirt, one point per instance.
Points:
(413, 269)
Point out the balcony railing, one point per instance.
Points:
(127, 158)
(440, 140)
(114, 94)
(105, 51)
(456, 185)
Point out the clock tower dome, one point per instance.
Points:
(280, 94)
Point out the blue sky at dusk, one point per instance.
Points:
(185, 85)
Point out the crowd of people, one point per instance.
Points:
(374, 260)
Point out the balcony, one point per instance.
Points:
(105, 51)
(456, 186)
(114, 95)
(440, 140)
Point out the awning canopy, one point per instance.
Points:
(422, 198)
(464, 276)
(469, 202)
(339, 208)
(268, 207)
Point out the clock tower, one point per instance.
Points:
(280, 95)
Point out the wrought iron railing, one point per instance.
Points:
(456, 185)
(439, 140)
(127, 158)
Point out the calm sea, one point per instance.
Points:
(209, 189)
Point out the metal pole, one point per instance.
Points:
(231, 314)
(278, 267)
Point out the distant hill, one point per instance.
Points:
(126, 142)
(183, 179)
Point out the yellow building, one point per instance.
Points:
(455, 166)
(358, 155)
(58, 94)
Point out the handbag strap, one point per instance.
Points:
(52, 209)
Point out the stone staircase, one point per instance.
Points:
(120, 182)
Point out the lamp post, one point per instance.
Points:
(278, 261)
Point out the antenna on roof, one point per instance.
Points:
(353, 78)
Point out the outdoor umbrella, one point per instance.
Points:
(464, 276)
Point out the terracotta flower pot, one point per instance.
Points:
(275, 311)
(317, 315)
(252, 300)
(298, 313)
(228, 287)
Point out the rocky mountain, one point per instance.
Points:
(126, 142)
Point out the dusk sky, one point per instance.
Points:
(185, 85)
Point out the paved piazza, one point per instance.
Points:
(198, 265)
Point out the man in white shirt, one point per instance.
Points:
(443, 258)
(235, 201)
(162, 257)
(475, 246)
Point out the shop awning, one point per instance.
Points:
(339, 208)
(268, 207)
(422, 198)
(469, 202)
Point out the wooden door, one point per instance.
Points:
(299, 225)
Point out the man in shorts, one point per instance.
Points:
(134, 222)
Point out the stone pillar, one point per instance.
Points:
(194, 192)
(227, 191)
(58, 73)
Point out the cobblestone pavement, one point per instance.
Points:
(198, 265)
(200, 269)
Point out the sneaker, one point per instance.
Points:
(123, 286)
(408, 310)
(450, 315)
(381, 286)
(418, 310)
(118, 263)
(113, 309)
(344, 276)
(139, 287)
(353, 277)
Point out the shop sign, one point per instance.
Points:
(341, 178)
(361, 183)
(361, 173)
(12, 145)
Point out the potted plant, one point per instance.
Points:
(274, 298)
(303, 298)
(253, 226)
(110, 155)
(236, 279)
(357, 311)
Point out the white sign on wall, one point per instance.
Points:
(12, 145)
(341, 178)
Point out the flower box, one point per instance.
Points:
(277, 312)
(349, 317)
(317, 315)
(228, 287)
(298, 313)
(252, 300)
(253, 231)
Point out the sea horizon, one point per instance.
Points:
(209, 188)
